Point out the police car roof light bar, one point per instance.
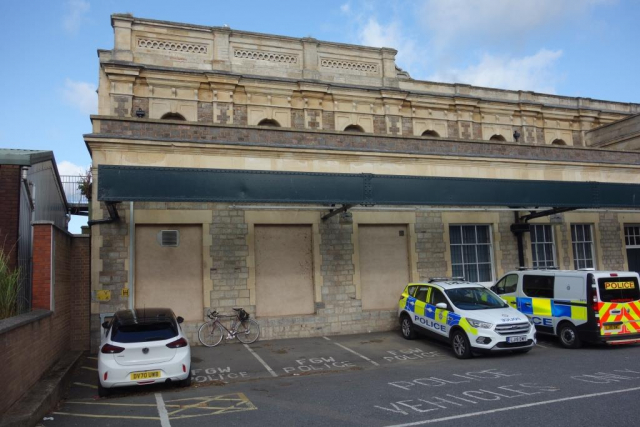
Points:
(446, 279)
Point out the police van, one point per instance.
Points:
(467, 315)
(577, 305)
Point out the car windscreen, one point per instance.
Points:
(619, 289)
(474, 299)
(143, 332)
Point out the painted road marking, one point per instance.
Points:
(86, 385)
(271, 371)
(162, 411)
(540, 345)
(89, 369)
(190, 407)
(511, 408)
(92, 358)
(352, 351)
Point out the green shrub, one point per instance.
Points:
(9, 287)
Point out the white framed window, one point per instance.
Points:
(543, 247)
(471, 252)
(632, 236)
(582, 242)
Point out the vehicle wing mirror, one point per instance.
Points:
(180, 319)
(441, 305)
(105, 324)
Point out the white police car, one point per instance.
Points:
(143, 346)
(467, 315)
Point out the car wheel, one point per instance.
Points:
(187, 381)
(460, 344)
(407, 328)
(103, 391)
(568, 335)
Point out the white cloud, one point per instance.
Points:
(81, 95)
(345, 8)
(76, 11)
(65, 167)
(474, 21)
(536, 72)
(378, 35)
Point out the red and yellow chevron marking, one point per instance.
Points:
(629, 315)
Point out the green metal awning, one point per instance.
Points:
(131, 183)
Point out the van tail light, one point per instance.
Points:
(111, 349)
(106, 374)
(184, 368)
(614, 274)
(178, 343)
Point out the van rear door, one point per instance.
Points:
(619, 305)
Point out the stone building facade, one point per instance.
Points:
(211, 98)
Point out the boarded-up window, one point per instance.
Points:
(284, 270)
(384, 265)
(169, 269)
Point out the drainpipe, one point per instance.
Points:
(132, 255)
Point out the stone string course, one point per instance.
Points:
(148, 129)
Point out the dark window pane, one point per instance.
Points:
(456, 254)
(483, 234)
(454, 235)
(143, 332)
(468, 234)
(538, 286)
(484, 253)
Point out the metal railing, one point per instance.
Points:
(70, 185)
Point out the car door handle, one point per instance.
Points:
(527, 304)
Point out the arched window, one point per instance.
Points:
(173, 116)
(558, 142)
(269, 123)
(431, 133)
(497, 138)
(353, 128)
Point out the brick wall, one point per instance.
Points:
(31, 343)
(10, 211)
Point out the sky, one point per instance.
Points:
(586, 48)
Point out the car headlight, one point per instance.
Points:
(479, 324)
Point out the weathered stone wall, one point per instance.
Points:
(508, 242)
(279, 137)
(430, 245)
(611, 244)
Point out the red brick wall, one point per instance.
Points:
(9, 211)
(27, 351)
(41, 278)
(81, 298)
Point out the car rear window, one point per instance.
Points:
(619, 289)
(144, 332)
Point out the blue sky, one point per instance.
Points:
(585, 48)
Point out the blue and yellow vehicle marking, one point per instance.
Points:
(543, 308)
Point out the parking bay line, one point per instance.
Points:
(511, 408)
(271, 371)
(86, 385)
(89, 369)
(352, 351)
(162, 411)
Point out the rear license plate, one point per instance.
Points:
(145, 375)
(517, 339)
(610, 327)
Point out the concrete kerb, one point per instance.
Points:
(44, 395)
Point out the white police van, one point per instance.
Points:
(577, 305)
(467, 315)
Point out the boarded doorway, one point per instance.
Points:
(284, 270)
(384, 265)
(169, 269)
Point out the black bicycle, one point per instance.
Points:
(243, 328)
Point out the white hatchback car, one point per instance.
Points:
(143, 346)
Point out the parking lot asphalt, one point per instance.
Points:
(374, 379)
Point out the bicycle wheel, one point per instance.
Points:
(210, 334)
(248, 331)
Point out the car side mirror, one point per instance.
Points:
(105, 324)
(180, 319)
(442, 305)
